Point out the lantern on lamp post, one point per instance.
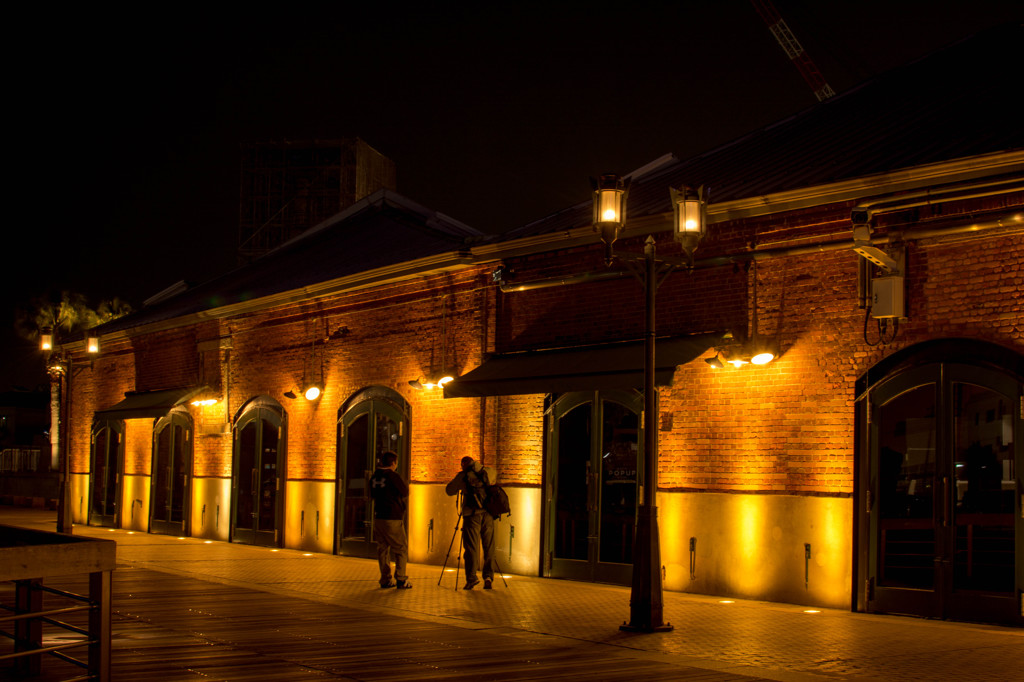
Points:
(687, 218)
(610, 192)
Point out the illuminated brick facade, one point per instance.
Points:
(769, 477)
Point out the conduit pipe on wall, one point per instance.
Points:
(1012, 223)
(973, 190)
(507, 288)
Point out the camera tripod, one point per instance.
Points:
(458, 524)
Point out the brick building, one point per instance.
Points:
(875, 241)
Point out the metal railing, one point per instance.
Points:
(26, 558)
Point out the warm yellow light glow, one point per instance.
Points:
(207, 542)
(131, 532)
(811, 611)
(763, 358)
(181, 538)
(312, 393)
(93, 344)
(750, 537)
(307, 554)
(610, 201)
(438, 380)
(273, 550)
(688, 209)
(46, 341)
(205, 402)
(726, 601)
(738, 362)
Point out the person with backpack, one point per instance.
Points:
(473, 481)
(390, 495)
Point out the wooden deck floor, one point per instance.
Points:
(170, 628)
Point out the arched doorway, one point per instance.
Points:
(941, 493)
(106, 466)
(258, 470)
(595, 456)
(371, 422)
(170, 483)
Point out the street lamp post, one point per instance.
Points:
(60, 367)
(646, 603)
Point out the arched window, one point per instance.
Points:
(170, 483)
(258, 471)
(594, 460)
(371, 422)
(940, 462)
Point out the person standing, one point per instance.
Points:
(390, 496)
(472, 481)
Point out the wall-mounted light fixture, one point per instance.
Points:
(312, 385)
(92, 343)
(310, 392)
(762, 351)
(736, 357)
(758, 351)
(435, 380)
(46, 339)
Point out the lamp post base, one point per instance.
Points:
(64, 524)
(645, 601)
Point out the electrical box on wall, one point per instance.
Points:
(887, 297)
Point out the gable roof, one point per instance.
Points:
(381, 230)
(959, 102)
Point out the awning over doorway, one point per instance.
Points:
(583, 368)
(143, 404)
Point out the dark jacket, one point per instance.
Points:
(389, 494)
(473, 486)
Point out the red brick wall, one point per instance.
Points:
(382, 337)
(786, 427)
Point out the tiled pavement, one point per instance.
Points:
(765, 640)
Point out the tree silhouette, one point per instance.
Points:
(68, 315)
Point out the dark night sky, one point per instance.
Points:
(128, 125)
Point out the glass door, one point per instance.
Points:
(257, 483)
(365, 431)
(171, 475)
(985, 412)
(945, 522)
(106, 463)
(905, 536)
(593, 473)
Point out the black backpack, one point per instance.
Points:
(496, 502)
